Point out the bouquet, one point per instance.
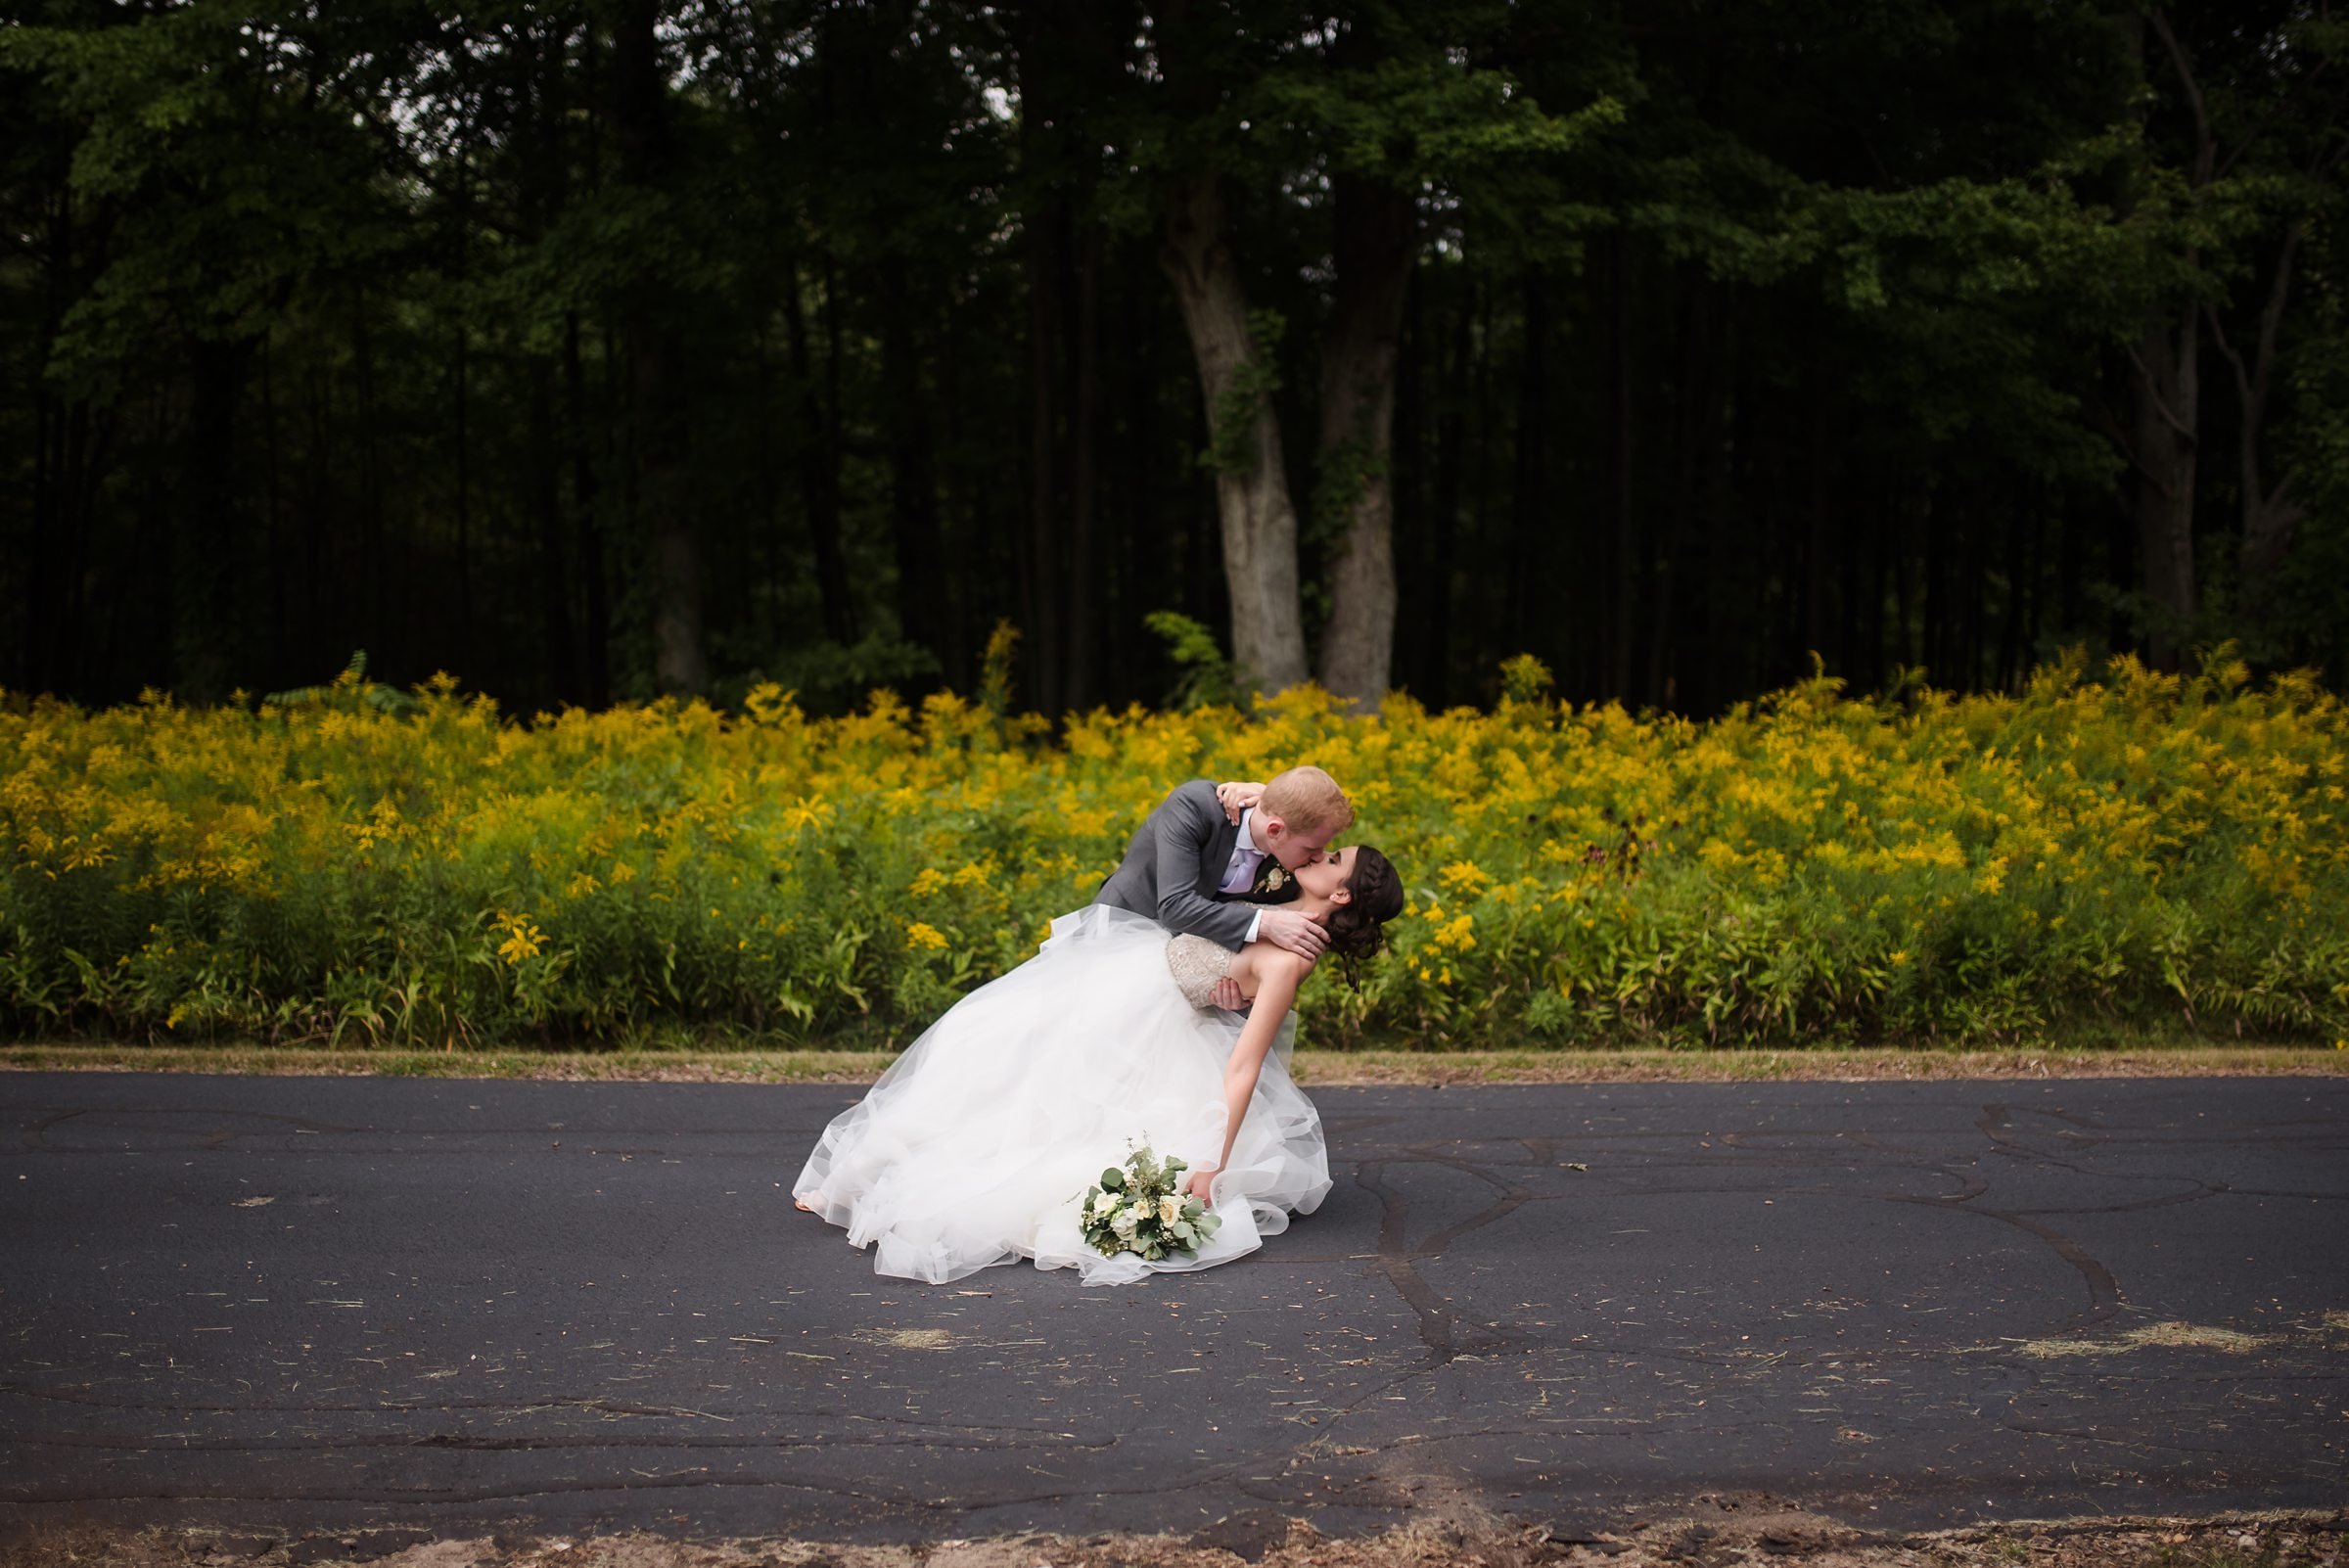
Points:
(1143, 1209)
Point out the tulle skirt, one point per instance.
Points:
(975, 1144)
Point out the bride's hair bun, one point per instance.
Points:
(1357, 929)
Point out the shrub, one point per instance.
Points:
(2131, 852)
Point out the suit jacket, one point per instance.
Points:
(1174, 869)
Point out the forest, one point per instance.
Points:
(594, 351)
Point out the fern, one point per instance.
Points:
(349, 692)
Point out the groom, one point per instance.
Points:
(1192, 868)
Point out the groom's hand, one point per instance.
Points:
(1237, 796)
(1300, 934)
(1229, 996)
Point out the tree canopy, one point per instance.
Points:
(604, 347)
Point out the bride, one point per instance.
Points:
(974, 1146)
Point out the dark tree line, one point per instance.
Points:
(597, 349)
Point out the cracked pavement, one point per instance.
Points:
(591, 1306)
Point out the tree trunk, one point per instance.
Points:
(1484, 423)
(1679, 568)
(1410, 484)
(1814, 521)
(209, 606)
(2019, 543)
(322, 512)
(562, 671)
(1933, 611)
(1884, 581)
(1373, 254)
(965, 509)
(1046, 260)
(1720, 618)
(538, 145)
(1621, 419)
(1454, 374)
(1524, 591)
(375, 560)
(1150, 571)
(141, 624)
(272, 513)
(1853, 654)
(2270, 515)
(913, 482)
(1972, 581)
(71, 441)
(587, 526)
(2167, 394)
(818, 465)
(462, 643)
(1251, 486)
(45, 651)
(655, 353)
(1080, 584)
(2166, 399)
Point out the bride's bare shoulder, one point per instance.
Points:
(1264, 961)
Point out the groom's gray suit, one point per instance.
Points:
(1175, 866)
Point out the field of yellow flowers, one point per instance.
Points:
(2105, 853)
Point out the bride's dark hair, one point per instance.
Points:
(1357, 928)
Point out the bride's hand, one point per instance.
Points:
(1237, 796)
(1201, 1185)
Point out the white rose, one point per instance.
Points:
(1125, 1221)
(1170, 1210)
(1104, 1203)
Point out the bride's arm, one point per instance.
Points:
(1277, 973)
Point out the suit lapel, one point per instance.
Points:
(1220, 845)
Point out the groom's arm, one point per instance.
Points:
(1182, 839)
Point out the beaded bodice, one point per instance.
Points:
(1198, 964)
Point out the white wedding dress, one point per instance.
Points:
(975, 1144)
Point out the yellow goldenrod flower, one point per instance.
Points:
(523, 938)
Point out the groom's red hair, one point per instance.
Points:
(1308, 800)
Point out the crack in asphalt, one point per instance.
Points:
(1507, 1352)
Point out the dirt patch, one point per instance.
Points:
(1714, 1532)
(927, 1339)
(2177, 1335)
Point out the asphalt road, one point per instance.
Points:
(459, 1304)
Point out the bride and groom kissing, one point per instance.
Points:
(1160, 1014)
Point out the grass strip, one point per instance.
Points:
(1324, 1069)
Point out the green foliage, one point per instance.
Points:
(997, 669)
(1347, 469)
(1209, 678)
(227, 195)
(830, 678)
(351, 691)
(1525, 679)
(1231, 446)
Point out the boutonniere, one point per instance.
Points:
(1276, 879)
